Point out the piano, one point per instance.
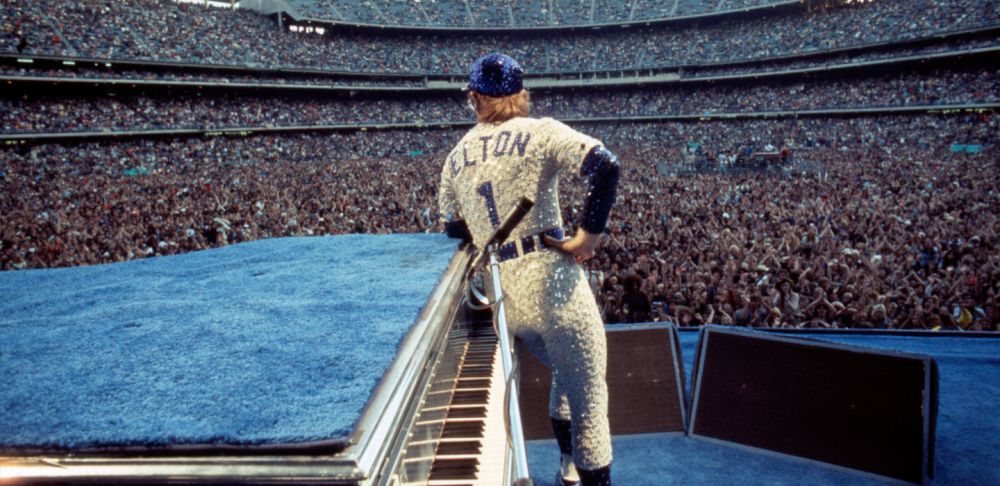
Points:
(436, 418)
(459, 436)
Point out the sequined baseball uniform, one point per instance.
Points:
(548, 299)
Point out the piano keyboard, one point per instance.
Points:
(472, 447)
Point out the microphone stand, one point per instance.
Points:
(515, 433)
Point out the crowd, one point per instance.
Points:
(166, 31)
(184, 75)
(92, 203)
(289, 78)
(31, 113)
(892, 230)
(952, 45)
(27, 114)
(893, 227)
(822, 92)
(500, 14)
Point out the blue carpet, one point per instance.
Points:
(659, 459)
(968, 432)
(270, 342)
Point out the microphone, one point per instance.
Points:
(510, 222)
(502, 232)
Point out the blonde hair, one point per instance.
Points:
(490, 109)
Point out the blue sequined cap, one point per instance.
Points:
(496, 75)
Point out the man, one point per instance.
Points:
(635, 300)
(549, 303)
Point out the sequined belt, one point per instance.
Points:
(528, 244)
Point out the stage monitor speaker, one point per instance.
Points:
(645, 383)
(859, 408)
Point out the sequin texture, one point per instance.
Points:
(496, 74)
(602, 171)
(548, 299)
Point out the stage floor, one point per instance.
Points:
(968, 432)
(279, 341)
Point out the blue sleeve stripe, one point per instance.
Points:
(602, 170)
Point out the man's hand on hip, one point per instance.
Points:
(583, 245)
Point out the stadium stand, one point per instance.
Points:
(502, 14)
(138, 72)
(46, 113)
(132, 30)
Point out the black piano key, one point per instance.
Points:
(476, 373)
(479, 353)
(462, 430)
(465, 447)
(484, 360)
(470, 397)
(481, 347)
(487, 350)
(454, 469)
(474, 368)
(466, 384)
(478, 361)
(466, 412)
(474, 363)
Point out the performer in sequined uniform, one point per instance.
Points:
(549, 303)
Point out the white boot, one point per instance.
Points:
(567, 471)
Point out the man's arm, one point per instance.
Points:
(458, 229)
(454, 225)
(602, 170)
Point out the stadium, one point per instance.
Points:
(192, 188)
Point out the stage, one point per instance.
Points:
(285, 342)
(968, 432)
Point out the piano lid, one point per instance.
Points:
(238, 358)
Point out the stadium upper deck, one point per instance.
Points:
(502, 14)
(161, 30)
